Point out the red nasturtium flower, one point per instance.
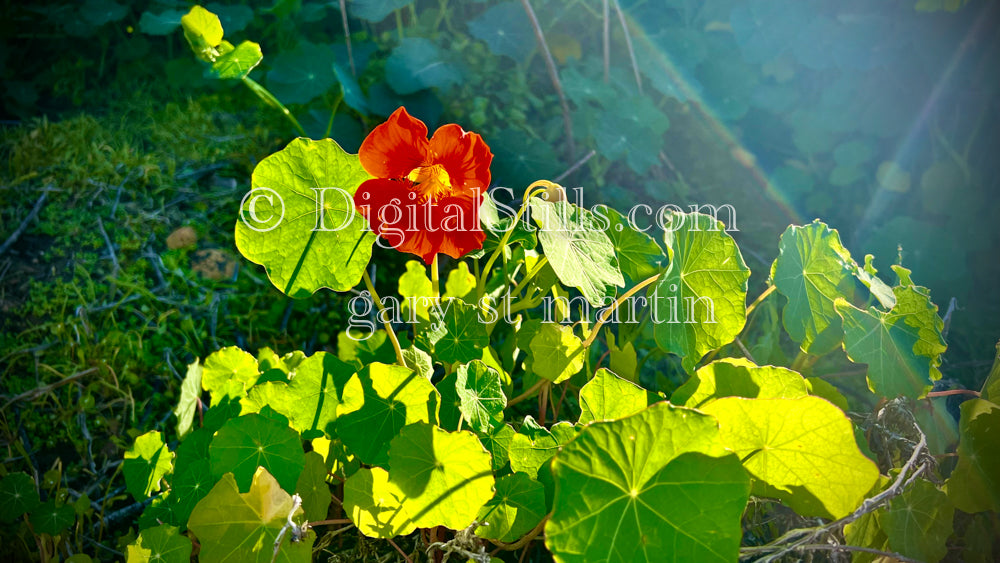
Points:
(426, 194)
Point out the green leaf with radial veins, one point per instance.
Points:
(51, 518)
(481, 400)
(656, 486)
(737, 377)
(317, 238)
(557, 353)
(235, 527)
(17, 496)
(146, 462)
(974, 485)
(416, 64)
(902, 347)
(375, 505)
(252, 440)
(310, 399)
(160, 544)
(377, 402)
(699, 303)
(497, 442)
(812, 270)
(534, 445)
(517, 506)
(638, 254)
(458, 335)
(444, 476)
(238, 63)
(919, 521)
(609, 397)
(225, 365)
(578, 249)
(801, 451)
(313, 489)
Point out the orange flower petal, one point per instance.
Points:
(395, 147)
(465, 156)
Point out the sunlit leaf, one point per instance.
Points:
(557, 353)
(376, 506)
(974, 484)
(699, 303)
(800, 450)
(160, 544)
(578, 250)
(242, 527)
(252, 441)
(444, 476)
(737, 377)
(311, 246)
(146, 462)
(517, 506)
(609, 397)
(656, 486)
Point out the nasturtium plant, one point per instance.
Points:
(515, 393)
(699, 303)
(301, 224)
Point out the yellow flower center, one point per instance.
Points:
(432, 182)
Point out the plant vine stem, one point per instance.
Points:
(628, 44)
(347, 36)
(953, 392)
(435, 278)
(388, 327)
(401, 552)
(333, 522)
(606, 38)
(481, 286)
(550, 64)
(760, 299)
(527, 394)
(525, 540)
(268, 97)
(800, 538)
(528, 277)
(614, 307)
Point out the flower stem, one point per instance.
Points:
(435, 278)
(610, 310)
(268, 97)
(481, 286)
(388, 327)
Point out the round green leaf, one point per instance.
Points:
(737, 377)
(656, 486)
(250, 441)
(609, 397)
(242, 527)
(377, 402)
(51, 518)
(481, 399)
(638, 254)
(227, 365)
(238, 63)
(146, 462)
(497, 442)
(17, 496)
(902, 347)
(517, 506)
(445, 477)
(417, 64)
(578, 249)
(812, 270)
(534, 445)
(974, 484)
(313, 489)
(316, 238)
(310, 398)
(457, 333)
(800, 450)
(506, 30)
(160, 544)
(557, 353)
(303, 74)
(919, 522)
(376, 506)
(699, 304)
